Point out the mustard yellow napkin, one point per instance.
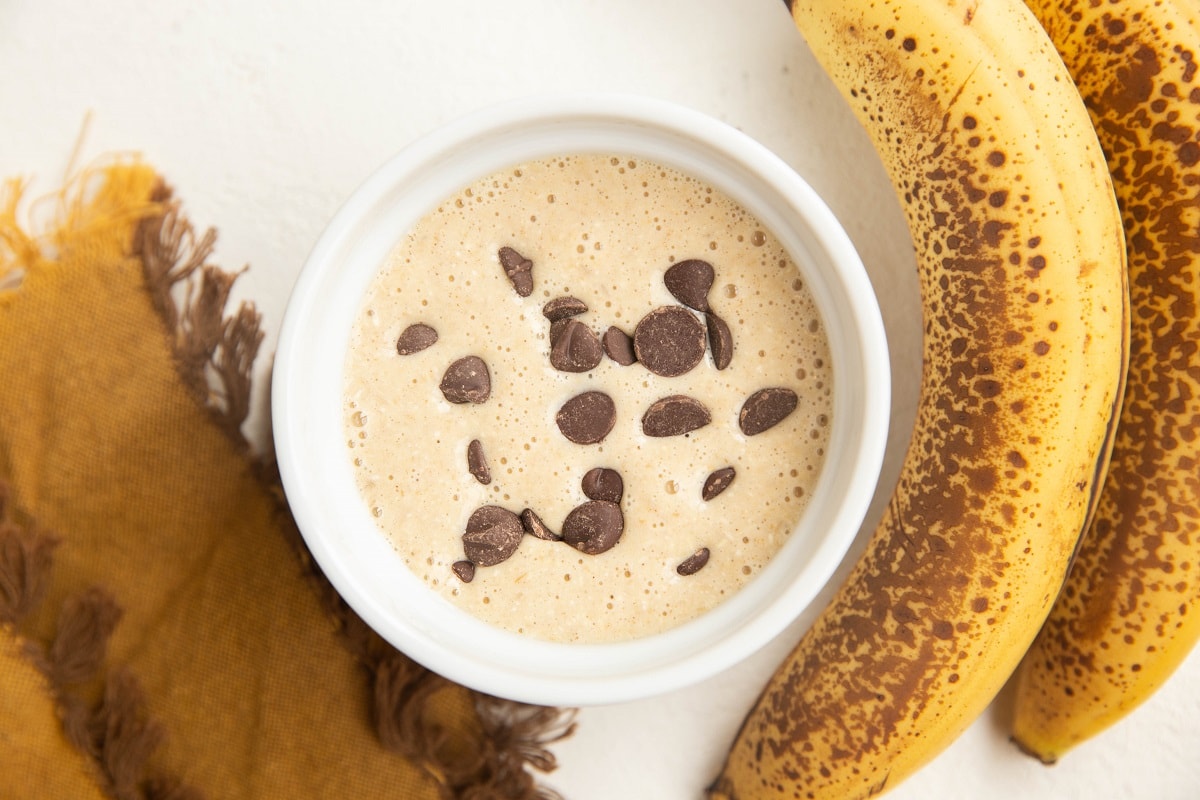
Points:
(163, 632)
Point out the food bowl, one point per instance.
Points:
(308, 417)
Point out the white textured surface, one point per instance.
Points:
(265, 114)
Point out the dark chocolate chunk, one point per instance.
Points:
(574, 347)
(717, 482)
(519, 270)
(563, 307)
(534, 526)
(594, 527)
(618, 345)
(693, 563)
(465, 570)
(689, 281)
(603, 483)
(477, 462)
(765, 409)
(587, 418)
(487, 516)
(415, 338)
(492, 535)
(674, 415)
(556, 329)
(669, 341)
(467, 380)
(720, 340)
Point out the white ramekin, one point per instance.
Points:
(307, 400)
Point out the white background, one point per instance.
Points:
(266, 114)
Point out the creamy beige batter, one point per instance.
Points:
(603, 229)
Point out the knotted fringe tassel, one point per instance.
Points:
(115, 730)
(26, 555)
(215, 355)
(510, 736)
(516, 735)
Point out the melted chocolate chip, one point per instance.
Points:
(477, 462)
(519, 270)
(690, 281)
(618, 345)
(563, 307)
(467, 380)
(669, 341)
(674, 415)
(415, 338)
(465, 570)
(493, 534)
(603, 483)
(534, 526)
(574, 347)
(587, 418)
(594, 527)
(720, 340)
(765, 409)
(717, 482)
(693, 563)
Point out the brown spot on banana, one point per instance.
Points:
(1006, 194)
(1130, 610)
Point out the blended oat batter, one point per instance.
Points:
(468, 286)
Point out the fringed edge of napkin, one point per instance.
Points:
(103, 712)
(215, 354)
(114, 729)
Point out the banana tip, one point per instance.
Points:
(1047, 758)
(719, 789)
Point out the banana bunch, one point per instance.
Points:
(1021, 259)
(1130, 610)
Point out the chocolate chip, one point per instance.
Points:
(587, 418)
(720, 340)
(669, 341)
(465, 570)
(534, 526)
(477, 463)
(415, 338)
(717, 482)
(574, 347)
(467, 380)
(594, 527)
(563, 307)
(674, 415)
(603, 483)
(693, 563)
(766, 408)
(492, 535)
(618, 345)
(556, 329)
(689, 281)
(519, 270)
(487, 516)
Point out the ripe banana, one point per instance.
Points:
(1021, 264)
(1130, 610)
